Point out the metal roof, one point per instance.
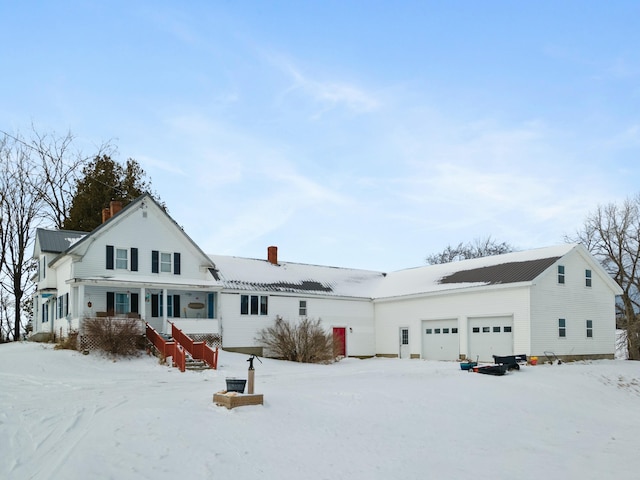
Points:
(503, 273)
(57, 241)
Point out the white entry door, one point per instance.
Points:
(404, 343)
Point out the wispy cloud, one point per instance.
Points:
(329, 94)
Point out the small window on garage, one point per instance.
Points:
(486, 329)
(506, 329)
(562, 327)
(561, 274)
(445, 330)
(496, 329)
(437, 330)
(476, 329)
(429, 331)
(454, 330)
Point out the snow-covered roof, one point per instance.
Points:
(237, 273)
(513, 267)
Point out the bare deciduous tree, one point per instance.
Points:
(304, 341)
(21, 207)
(480, 247)
(58, 163)
(612, 235)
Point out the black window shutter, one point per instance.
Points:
(176, 263)
(134, 259)
(111, 303)
(109, 257)
(176, 305)
(66, 304)
(154, 305)
(134, 303)
(154, 261)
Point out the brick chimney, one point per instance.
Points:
(115, 206)
(106, 214)
(272, 255)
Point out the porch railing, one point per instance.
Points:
(198, 350)
(180, 345)
(167, 348)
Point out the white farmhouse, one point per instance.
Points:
(139, 263)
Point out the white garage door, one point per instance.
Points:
(440, 340)
(489, 336)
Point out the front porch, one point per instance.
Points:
(192, 310)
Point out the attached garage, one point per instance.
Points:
(440, 339)
(489, 336)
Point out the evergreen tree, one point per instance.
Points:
(102, 181)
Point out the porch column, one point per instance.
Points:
(80, 303)
(142, 308)
(164, 311)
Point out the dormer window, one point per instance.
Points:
(561, 274)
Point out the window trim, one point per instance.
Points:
(561, 275)
(118, 261)
(165, 266)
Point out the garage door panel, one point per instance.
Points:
(440, 339)
(490, 336)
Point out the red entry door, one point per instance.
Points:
(339, 341)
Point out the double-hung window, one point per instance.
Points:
(122, 259)
(589, 328)
(165, 262)
(562, 327)
(561, 274)
(302, 310)
(587, 278)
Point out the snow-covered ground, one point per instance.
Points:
(68, 416)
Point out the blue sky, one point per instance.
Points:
(361, 134)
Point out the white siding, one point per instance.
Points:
(498, 301)
(576, 303)
(355, 315)
(146, 233)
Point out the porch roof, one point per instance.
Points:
(148, 282)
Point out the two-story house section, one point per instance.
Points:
(139, 263)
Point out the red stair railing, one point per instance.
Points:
(182, 344)
(198, 350)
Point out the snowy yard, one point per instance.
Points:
(68, 416)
